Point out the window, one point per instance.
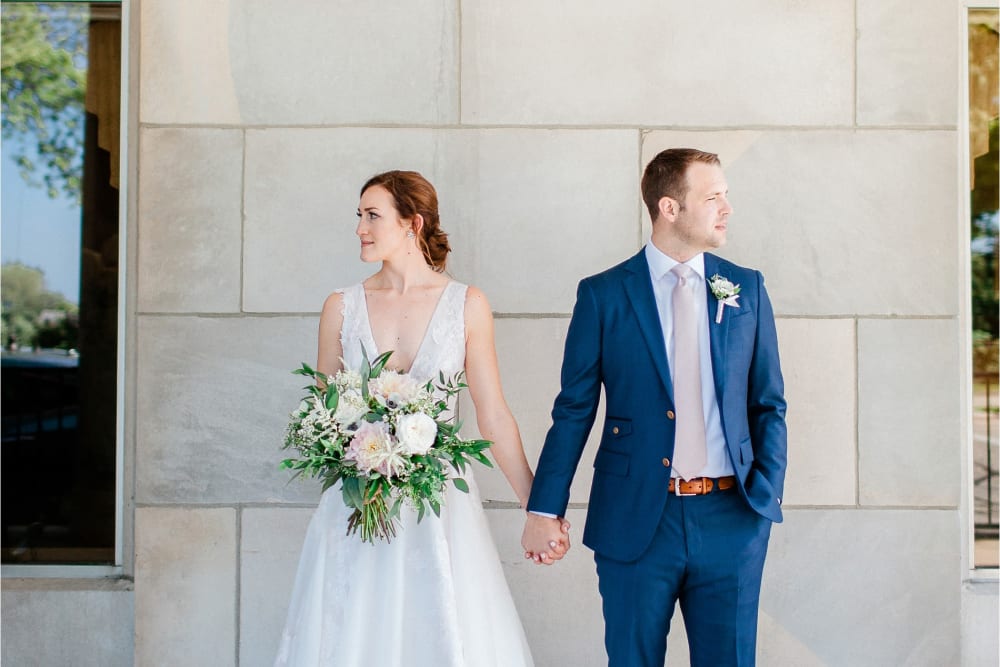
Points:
(984, 184)
(61, 73)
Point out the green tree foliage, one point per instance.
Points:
(42, 49)
(24, 299)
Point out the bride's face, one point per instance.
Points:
(381, 231)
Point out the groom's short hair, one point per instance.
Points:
(666, 176)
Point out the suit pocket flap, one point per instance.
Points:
(613, 463)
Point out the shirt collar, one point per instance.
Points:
(660, 264)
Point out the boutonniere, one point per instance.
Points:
(726, 292)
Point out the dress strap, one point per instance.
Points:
(354, 329)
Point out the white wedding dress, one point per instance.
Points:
(436, 595)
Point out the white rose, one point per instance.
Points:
(350, 408)
(416, 433)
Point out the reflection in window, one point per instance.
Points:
(61, 68)
(985, 182)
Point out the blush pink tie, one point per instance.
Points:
(690, 453)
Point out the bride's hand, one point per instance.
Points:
(545, 540)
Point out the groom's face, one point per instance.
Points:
(701, 223)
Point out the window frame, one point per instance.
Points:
(124, 412)
(973, 574)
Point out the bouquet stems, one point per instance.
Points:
(373, 520)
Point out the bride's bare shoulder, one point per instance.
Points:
(477, 306)
(334, 304)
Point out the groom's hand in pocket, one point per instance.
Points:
(545, 539)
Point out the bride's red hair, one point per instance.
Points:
(412, 194)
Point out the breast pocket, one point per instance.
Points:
(743, 318)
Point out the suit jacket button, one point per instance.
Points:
(615, 430)
(670, 414)
(666, 463)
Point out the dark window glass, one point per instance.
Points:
(61, 69)
(984, 90)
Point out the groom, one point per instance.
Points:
(689, 473)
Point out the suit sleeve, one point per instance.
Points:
(766, 404)
(574, 409)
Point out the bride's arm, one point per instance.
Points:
(496, 423)
(330, 350)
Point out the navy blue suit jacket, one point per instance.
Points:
(615, 339)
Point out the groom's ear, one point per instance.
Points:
(668, 208)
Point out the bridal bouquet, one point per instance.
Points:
(379, 433)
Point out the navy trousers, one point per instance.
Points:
(708, 553)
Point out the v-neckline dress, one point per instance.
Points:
(434, 596)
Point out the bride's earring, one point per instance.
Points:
(410, 234)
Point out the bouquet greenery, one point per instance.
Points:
(379, 433)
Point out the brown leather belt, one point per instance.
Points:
(699, 486)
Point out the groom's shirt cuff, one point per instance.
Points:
(545, 514)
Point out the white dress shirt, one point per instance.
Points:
(718, 463)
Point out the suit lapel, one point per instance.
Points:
(718, 333)
(640, 294)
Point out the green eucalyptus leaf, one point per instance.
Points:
(332, 397)
(351, 488)
(380, 363)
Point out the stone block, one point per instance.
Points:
(644, 63)
(189, 241)
(559, 604)
(503, 199)
(185, 592)
(185, 68)
(552, 207)
(862, 587)
(980, 619)
(901, 80)
(270, 546)
(818, 363)
(530, 354)
(213, 400)
(842, 222)
(910, 449)
(255, 62)
(83, 628)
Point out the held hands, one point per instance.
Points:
(545, 540)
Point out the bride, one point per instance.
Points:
(436, 595)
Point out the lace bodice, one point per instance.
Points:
(441, 350)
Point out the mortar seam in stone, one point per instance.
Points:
(639, 203)
(239, 579)
(535, 316)
(854, 73)
(857, 413)
(514, 505)
(243, 217)
(897, 127)
(459, 56)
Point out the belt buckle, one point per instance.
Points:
(677, 489)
